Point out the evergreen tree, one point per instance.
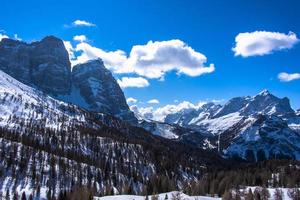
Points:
(7, 196)
(278, 194)
(264, 194)
(257, 194)
(154, 197)
(227, 195)
(49, 197)
(30, 197)
(23, 197)
(16, 196)
(249, 195)
(166, 197)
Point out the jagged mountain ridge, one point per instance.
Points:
(252, 128)
(45, 65)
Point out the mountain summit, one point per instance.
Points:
(44, 64)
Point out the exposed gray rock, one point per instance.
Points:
(51, 68)
(43, 64)
(100, 90)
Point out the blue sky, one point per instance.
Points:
(208, 27)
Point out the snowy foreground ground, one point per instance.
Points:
(184, 196)
(161, 197)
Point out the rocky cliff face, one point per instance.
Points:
(100, 90)
(51, 68)
(45, 65)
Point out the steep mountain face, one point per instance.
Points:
(95, 89)
(50, 145)
(268, 136)
(46, 66)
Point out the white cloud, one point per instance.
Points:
(17, 37)
(70, 50)
(82, 23)
(218, 101)
(138, 82)
(152, 60)
(131, 100)
(79, 38)
(260, 43)
(2, 36)
(153, 101)
(142, 113)
(113, 60)
(285, 77)
(160, 113)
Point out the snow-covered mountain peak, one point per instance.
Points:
(265, 92)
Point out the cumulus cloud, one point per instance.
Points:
(160, 113)
(142, 113)
(285, 77)
(260, 43)
(152, 60)
(80, 38)
(153, 101)
(16, 37)
(2, 36)
(70, 50)
(82, 23)
(113, 60)
(138, 82)
(131, 100)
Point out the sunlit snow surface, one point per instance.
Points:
(161, 197)
(186, 197)
(24, 102)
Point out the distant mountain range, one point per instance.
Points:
(252, 128)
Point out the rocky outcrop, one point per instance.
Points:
(100, 90)
(50, 65)
(43, 64)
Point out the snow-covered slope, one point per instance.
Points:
(162, 196)
(267, 137)
(190, 116)
(21, 104)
